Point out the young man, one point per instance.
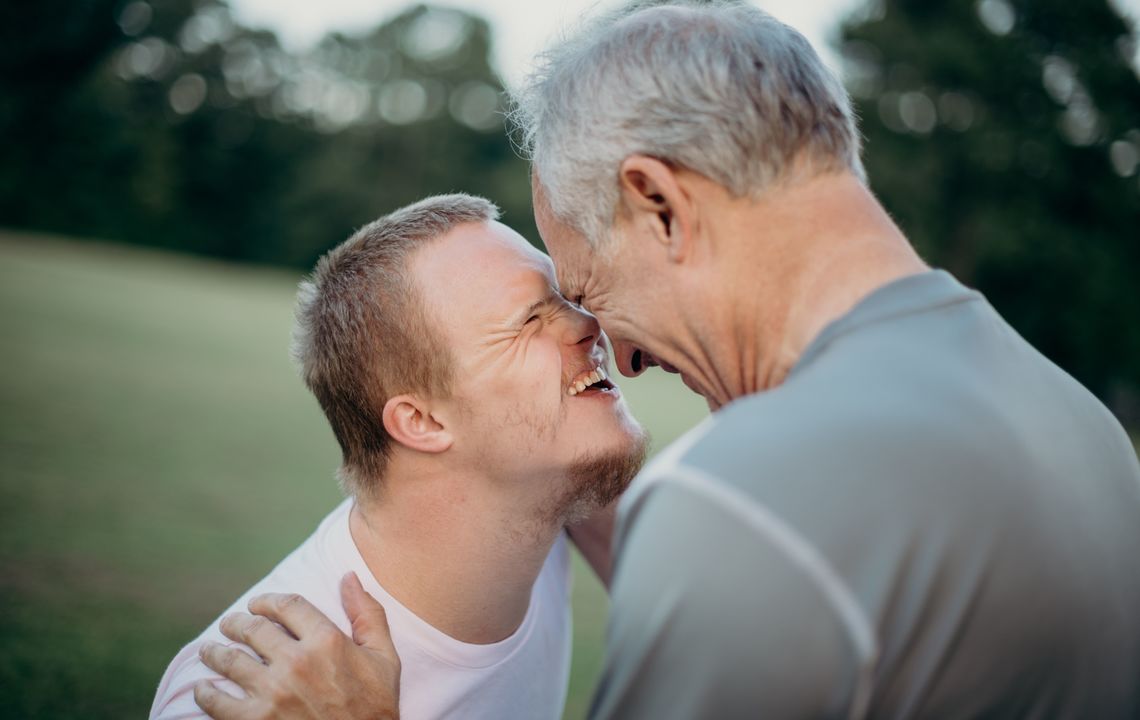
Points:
(476, 420)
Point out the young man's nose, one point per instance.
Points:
(581, 329)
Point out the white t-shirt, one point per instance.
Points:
(523, 676)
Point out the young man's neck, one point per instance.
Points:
(458, 559)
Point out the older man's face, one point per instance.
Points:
(622, 290)
(527, 362)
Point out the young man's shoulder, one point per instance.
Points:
(313, 569)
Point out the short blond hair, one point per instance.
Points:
(362, 334)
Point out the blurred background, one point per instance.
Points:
(171, 167)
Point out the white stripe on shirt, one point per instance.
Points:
(799, 551)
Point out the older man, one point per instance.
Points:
(472, 407)
(899, 508)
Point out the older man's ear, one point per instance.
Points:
(414, 423)
(656, 201)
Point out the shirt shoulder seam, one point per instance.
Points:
(826, 339)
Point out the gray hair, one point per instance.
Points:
(362, 333)
(721, 88)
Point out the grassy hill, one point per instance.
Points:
(158, 455)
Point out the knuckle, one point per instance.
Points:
(289, 601)
(224, 660)
(256, 626)
(361, 624)
(327, 638)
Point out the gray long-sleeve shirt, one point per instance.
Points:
(927, 519)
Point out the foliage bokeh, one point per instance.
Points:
(167, 124)
(1004, 137)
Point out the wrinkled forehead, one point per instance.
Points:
(568, 248)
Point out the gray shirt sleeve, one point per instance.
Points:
(710, 619)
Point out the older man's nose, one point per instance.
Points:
(631, 361)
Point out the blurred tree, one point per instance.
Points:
(420, 110)
(163, 122)
(48, 52)
(1002, 136)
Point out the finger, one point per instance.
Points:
(369, 621)
(217, 704)
(266, 639)
(292, 611)
(231, 663)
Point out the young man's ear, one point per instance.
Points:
(654, 196)
(409, 421)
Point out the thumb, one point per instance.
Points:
(368, 619)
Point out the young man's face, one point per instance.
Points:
(523, 355)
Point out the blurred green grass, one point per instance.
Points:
(158, 455)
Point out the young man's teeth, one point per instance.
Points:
(596, 375)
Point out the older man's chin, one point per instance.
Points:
(597, 480)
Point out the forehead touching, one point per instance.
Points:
(572, 255)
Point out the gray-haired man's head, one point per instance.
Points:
(722, 89)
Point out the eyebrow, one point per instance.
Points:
(523, 315)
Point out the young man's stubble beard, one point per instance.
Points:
(594, 481)
(591, 481)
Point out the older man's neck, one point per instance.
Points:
(827, 243)
(458, 561)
